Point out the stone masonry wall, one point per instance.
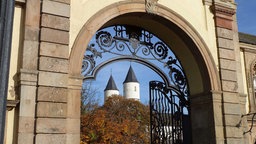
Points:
(52, 94)
(227, 52)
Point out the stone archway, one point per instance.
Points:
(203, 80)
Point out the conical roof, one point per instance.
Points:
(111, 84)
(130, 77)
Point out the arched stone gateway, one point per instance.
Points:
(50, 38)
(193, 53)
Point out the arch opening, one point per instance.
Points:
(168, 101)
(202, 75)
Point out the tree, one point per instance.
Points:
(118, 121)
(89, 100)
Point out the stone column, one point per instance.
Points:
(227, 42)
(73, 111)
(205, 108)
(52, 95)
(27, 77)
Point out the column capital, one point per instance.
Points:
(224, 11)
(27, 77)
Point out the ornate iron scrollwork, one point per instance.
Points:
(123, 41)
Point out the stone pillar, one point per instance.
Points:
(27, 77)
(52, 94)
(227, 42)
(202, 118)
(73, 110)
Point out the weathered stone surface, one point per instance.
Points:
(53, 79)
(56, 8)
(232, 109)
(73, 138)
(30, 55)
(25, 138)
(218, 117)
(232, 120)
(74, 102)
(229, 86)
(72, 126)
(233, 132)
(226, 43)
(31, 34)
(228, 64)
(226, 54)
(27, 101)
(55, 36)
(33, 13)
(231, 97)
(51, 139)
(55, 22)
(225, 33)
(54, 50)
(75, 82)
(26, 124)
(235, 141)
(62, 1)
(52, 94)
(228, 75)
(53, 64)
(51, 125)
(224, 23)
(49, 109)
(219, 131)
(28, 77)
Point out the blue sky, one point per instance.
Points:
(246, 16)
(246, 11)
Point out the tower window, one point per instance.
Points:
(135, 88)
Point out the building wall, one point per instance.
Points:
(199, 16)
(131, 90)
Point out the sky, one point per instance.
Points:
(246, 17)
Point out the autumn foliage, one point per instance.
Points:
(118, 121)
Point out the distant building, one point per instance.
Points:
(131, 86)
(110, 89)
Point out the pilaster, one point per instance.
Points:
(202, 109)
(53, 94)
(73, 110)
(227, 44)
(27, 76)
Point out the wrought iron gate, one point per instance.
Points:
(169, 115)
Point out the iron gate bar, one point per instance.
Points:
(166, 115)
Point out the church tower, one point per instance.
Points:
(131, 86)
(110, 89)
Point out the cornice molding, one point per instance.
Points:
(11, 104)
(225, 8)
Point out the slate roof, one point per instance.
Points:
(247, 38)
(130, 77)
(111, 84)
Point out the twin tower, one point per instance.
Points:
(131, 87)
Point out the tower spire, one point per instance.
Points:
(111, 88)
(130, 77)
